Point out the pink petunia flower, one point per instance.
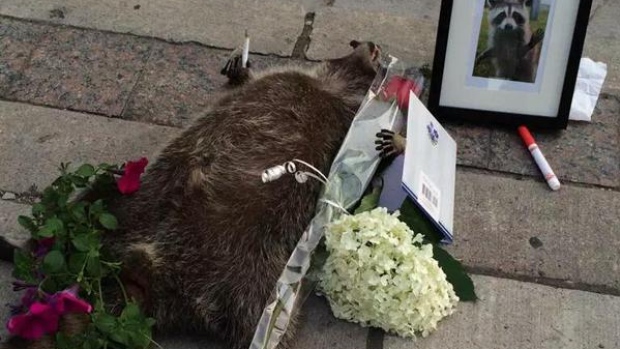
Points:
(130, 180)
(41, 319)
(44, 245)
(67, 301)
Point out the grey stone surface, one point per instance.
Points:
(418, 9)
(409, 39)
(575, 230)
(584, 152)
(179, 82)
(473, 143)
(76, 69)
(9, 228)
(273, 24)
(35, 140)
(319, 330)
(521, 315)
(603, 41)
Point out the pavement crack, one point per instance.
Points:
(546, 281)
(138, 79)
(303, 41)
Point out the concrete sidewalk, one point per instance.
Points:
(112, 80)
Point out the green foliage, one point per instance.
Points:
(455, 273)
(70, 232)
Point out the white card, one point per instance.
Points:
(429, 172)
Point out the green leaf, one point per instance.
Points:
(93, 265)
(78, 211)
(45, 232)
(131, 311)
(38, 209)
(54, 225)
(23, 266)
(96, 208)
(78, 181)
(49, 285)
(411, 215)
(119, 336)
(27, 223)
(77, 261)
(86, 170)
(108, 221)
(53, 262)
(83, 242)
(370, 201)
(105, 323)
(455, 274)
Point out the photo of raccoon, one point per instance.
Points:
(510, 40)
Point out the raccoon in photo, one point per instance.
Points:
(512, 48)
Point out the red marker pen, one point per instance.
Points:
(542, 163)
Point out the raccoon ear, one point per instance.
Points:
(354, 43)
(491, 3)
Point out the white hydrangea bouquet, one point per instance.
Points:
(375, 268)
(380, 273)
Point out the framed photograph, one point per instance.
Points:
(512, 62)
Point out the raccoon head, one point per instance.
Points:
(508, 14)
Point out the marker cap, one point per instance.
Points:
(526, 136)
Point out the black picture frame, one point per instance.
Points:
(507, 119)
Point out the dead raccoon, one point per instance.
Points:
(511, 46)
(204, 240)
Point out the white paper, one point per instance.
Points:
(587, 89)
(429, 172)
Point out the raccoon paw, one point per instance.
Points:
(537, 37)
(235, 72)
(389, 143)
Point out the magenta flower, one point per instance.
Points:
(43, 246)
(130, 180)
(67, 301)
(41, 319)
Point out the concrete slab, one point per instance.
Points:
(521, 315)
(179, 81)
(522, 228)
(418, 9)
(75, 69)
(584, 152)
(9, 228)
(35, 140)
(273, 24)
(409, 39)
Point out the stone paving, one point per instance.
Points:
(110, 80)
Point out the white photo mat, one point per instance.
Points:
(496, 95)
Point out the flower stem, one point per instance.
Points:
(100, 291)
(120, 284)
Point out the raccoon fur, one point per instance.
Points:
(204, 240)
(509, 36)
